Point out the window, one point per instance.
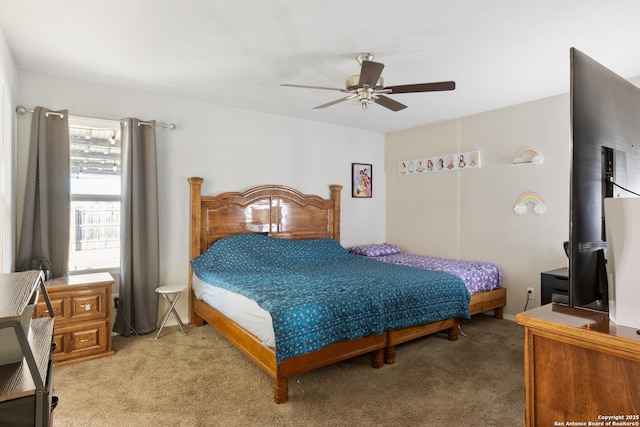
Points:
(95, 194)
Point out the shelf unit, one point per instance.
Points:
(26, 386)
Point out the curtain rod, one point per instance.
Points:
(23, 110)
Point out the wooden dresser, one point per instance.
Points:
(82, 309)
(579, 367)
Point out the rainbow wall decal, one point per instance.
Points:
(530, 198)
(528, 155)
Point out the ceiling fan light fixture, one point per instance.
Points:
(364, 103)
(365, 97)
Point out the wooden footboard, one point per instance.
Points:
(480, 302)
(399, 336)
(489, 300)
(265, 357)
(382, 347)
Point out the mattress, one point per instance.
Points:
(478, 276)
(242, 310)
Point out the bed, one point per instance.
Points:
(245, 218)
(483, 279)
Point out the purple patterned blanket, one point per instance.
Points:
(477, 276)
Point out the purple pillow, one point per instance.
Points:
(374, 250)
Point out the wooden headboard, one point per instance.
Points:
(274, 209)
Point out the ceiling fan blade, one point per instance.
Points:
(337, 101)
(370, 73)
(389, 103)
(315, 87)
(423, 87)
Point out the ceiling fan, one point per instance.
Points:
(368, 87)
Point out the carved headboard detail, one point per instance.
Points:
(277, 210)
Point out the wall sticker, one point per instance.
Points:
(530, 198)
(447, 163)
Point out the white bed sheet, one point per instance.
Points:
(242, 310)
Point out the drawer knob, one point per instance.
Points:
(87, 307)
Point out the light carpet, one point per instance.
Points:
(201, 380)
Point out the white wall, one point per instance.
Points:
(8, 85)
(468, 214)
(231, 149)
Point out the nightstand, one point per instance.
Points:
(554, 286)
(82, 313)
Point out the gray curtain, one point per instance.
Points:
(45, 219)
(139, 259)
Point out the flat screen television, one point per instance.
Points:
(605, 162)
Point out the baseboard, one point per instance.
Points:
(509, 317)
(171, 321)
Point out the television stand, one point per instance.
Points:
(597, 306)
(578, 365)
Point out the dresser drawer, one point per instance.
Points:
(76, 305)
(57, 304)
(82, 340)
(88, 305)
(58, 339)
(87, 338)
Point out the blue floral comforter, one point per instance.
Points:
(318, 293)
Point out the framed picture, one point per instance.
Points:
(361, 180)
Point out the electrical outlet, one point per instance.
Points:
(531, 293)
(116, 302)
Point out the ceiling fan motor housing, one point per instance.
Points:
(353, 83)
(365, 56)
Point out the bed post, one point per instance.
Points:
(452, 332)
(194, 249)
(335, 196)
(280, 389)
(390, 354)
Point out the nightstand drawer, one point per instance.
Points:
(554, 286)
(87, 338)
(88, 305)
(76, 305)
(58, 306)
(58, 339)
(82, 341)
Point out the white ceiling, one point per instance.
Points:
(238, 52)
